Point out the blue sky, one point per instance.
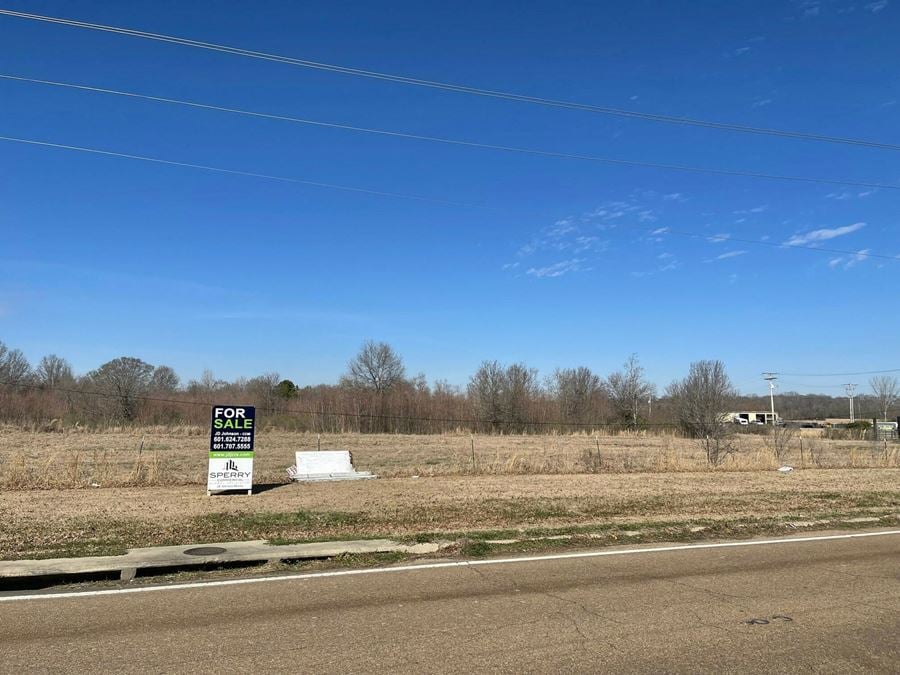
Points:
(551, 261)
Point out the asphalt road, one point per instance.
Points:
(825, 606)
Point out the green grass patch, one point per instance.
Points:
(476, 548)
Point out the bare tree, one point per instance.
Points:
(629, 391)
(164, 380)
(207, 387)
(54, 371)
(14, 367)
(377, 367)
(125, 379)
(701, 401)
(520, 387)
(887, 391)
(576, 390)
(503, 396)
(485, 390)
(779, 440)
(263, 390)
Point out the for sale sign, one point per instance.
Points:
(231, 448)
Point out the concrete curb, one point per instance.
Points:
(198, 555)
(161, 557)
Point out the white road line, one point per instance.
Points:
(443, 565)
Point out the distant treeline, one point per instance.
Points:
(374, 395)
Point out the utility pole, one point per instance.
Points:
(770, 378)
(850, 389)
(650, 406)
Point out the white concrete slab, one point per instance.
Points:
(325, 465)
(324, 462)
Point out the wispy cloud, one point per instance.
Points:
(759, 103)
(561, 228)
(857, 258)
(816, 236)
(555, 237)
(847, 262)
(719, 238)
(814, 8)
(754, 209)
(577, 237)
(846, 194)
(660, 230)
(590, 243)
(608, 214)
(729, 254)
(810, 8)
(741, 50)
(557, 269)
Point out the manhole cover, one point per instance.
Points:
(205, 550)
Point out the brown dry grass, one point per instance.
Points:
(178, 456)
(71, 522)
(154, 478)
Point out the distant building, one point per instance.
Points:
(753, 417)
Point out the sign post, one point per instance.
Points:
(231, 435)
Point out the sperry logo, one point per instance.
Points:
(229, 470)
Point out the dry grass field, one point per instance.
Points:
(61, 522)
(178, 456)
(82, 493)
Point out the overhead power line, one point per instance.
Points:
(455, 88)
(607, 160)
(451, 141)
(865, 372)
(236, 172)
(811, 386)
(334, 186)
